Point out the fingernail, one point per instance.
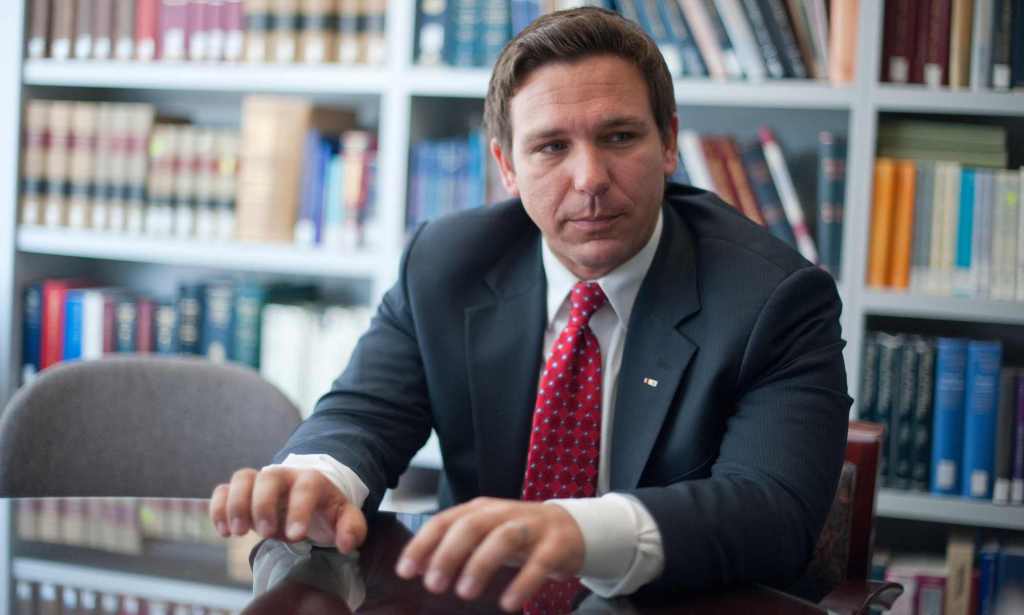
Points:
(295, 530)
(222, 528)
(406, 568)
(466, 587)
(265, 528)
(436, 581)
(510, 602)
(236, 527)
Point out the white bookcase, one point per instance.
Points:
(406, 102)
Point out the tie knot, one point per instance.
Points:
(585, 299)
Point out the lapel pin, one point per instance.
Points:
(651, 382)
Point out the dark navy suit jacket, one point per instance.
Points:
(736, 451)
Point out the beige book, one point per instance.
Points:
(1020, 242)
(102, 186)
(140, 125)
(84, 119)
(1007, 220)
(273, 136)
(33, 166)
(72, 522)
(950, 227)
(118, 168)
(842, 53)
(205, 178)
(960, 43)
(933, 283)
(257, 20)
(162, 151)
(226, 182)
(63, 29)
(185, 183)
(376, 31)
(352, 40)
(284, 39)
(318, 40)
(57, 164)
(959, 567)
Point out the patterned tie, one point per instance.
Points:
(566, 437)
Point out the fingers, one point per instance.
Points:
(308, 492)
(415, 554)
(463, 537)
(269, 500)
(543, 562)
(219, 509)
(501, 545)
(350, 530)
(239, 504)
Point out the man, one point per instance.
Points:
(700, 357)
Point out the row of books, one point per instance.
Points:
(294, 173)
(974, 44)
(976, 577)
(308, 31)
(721, 39)
(34, 598)
(447, 175)
(116, 525)
(283, 330)
(754, 178)
(953, 412)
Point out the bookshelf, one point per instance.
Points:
(408, 102)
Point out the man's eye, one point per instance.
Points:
(620, 137)
(552, 148)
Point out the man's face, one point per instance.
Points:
(588, 161)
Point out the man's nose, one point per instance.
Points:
(590, 171)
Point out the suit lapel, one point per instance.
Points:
(656, 354)
(504, 339)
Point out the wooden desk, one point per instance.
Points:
(320, 583)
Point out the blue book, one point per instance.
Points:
(73, 306)
(964, 233)
(218, 321)
(495, 27)
(165, 327)
(988, 559)
(948, 425)
(463, 17)
(190, 319)
(31, 332)
(310, 200)
(433, 34)
(672, 17)
(981, 399)
(1009, 571)
(249, 300)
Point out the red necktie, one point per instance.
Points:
(566, 436)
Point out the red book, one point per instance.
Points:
(147, 13)
(936, 62)
(172, 40)
(54, 292)
(109, 324)
(144, 335)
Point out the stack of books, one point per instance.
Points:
(946, 213)
(34, 598)
(724, 39)
(960, 44)
(954, 415)
(282, 31)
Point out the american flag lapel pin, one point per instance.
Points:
(651, 382)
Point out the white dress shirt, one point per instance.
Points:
(623, 546)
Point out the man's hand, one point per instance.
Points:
(479, 536)
(288, 504)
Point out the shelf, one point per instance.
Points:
(239, 256)
(449, 82)
(921, 99)
(881, 303)
(301, 78)
(945, 509)
(114, 582)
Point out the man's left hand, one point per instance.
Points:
(472, 540)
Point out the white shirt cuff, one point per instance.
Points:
(623, 548)
(340, 475)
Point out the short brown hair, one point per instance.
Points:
(566, 36)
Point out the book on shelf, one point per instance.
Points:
(952, 410)
(723, 39)
(281, 31)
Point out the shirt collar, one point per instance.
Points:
(621, 285)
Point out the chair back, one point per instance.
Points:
(135, 426)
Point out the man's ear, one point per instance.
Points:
(508, 174)
(670, 149)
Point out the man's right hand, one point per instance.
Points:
(290, 504)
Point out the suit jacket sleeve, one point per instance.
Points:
(758, 515)
(377, 414)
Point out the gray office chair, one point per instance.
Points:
(139, 426)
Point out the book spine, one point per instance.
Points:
(980, 245)
(699, 20)
(1017, 479)
(679, 31)
(960, 43)
(882, 214)
(801, 24)
(920, 470)
(730, 57)
(124, 30)
(92, 324)
(126, 325)
(72, 326)
(1005, 420)
(432, 33)
(925, 188)
(782, 31)
(144, 309)
(738, 28)
(980, 409)
(981, 45)
(317, 41)
(197, 30)
(31, 332)
(714, 157)
(787, 192)
(1001, 75)
(190, 319)
(947, 439)
(57, 164)
(886, 399)
(936, 64)
(165, 325)
(842, 43)
(82, 155)
(869, 379)
(740, 182)
(173, 38)
(464, 39)
(283, 39)
(214, 13)
(831, 197)
(964, 236)
(110, 323)
(1017, 47)
(987, 565)
(185, 184)
(1020, 236)
(765, 193)
(39, 30)
(218, 325)
(103, 30)
(248, 307)
(258, 24)
(63, 30)
(759, 25)
(34, 162)
(232, 19)
(147, 21)
(902, 437)
(376, 29)
(53, 322)
(1005, 232)
(898, 41)
(82, 49)
(921, 39)
(205, 176)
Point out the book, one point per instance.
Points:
(58, 164)
(1002, 37)
(699, 20)
(376, 29)
(197, 30)
(962, 281)
(82, 48)
(1006, 420)
(782, 32)
(34, 162)
(738, 28)
(147, 22)
(921, 447)
(981, 392)
(38, 29)
(902, 424)
(54, 296)
(959, 568)
(258, 17)
(1006, 211)
(981, 45)
(218, 325)
(283, 37)
(103, 30)
(767, 196)
(1017, 479)
(679, 31)
(801, 23)
(172, 30)
(787, 192)
(432, 31)
(318, 41)
(31, 332)
(80, 163)
(738, 179)
(730, 58)
(890, 353)
(901, 27)
(961, 27)
(882, 223)
(948, 412)
(62, 30)
(869, 378)
(774, 63)
(831, 199)
(842, 41)
(936, 58)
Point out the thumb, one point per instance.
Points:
(350, 529)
